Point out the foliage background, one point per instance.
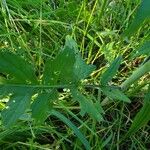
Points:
(37, 30)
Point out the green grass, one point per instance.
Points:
(37, 31)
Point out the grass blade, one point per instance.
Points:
(73, 127)
(143, 13)
(144, 49)
(142, 117)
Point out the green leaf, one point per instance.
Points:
(115, 94)
(73, 127)
(143, 14)
(87, 106)
(71, 44)
(136, 75)
(81, 69)
(142, 117)
(16, 107)
(67, 67)
(60, 70)
(65, 70)
(144, 49)
(17, 67)
(111, 71)
(42, 104)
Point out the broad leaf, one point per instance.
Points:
(81, 69)
(111, 71)
(16, 107)
(42, 104)
(143, 14)
(73, 127)
(115, 94)
(142, 117)
(67, 67)
(60, 70)
(87, 106)
(16, 67)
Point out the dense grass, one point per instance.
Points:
(37, 31)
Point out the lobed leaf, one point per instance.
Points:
(115, 94)
(81, 69)
(67, 67)
(87, 106)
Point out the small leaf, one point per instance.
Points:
(41, 105)
(115, 94)
(73, 127)
(16, 107)
(111, 71)
(17, 67)
(87, 105)
(142, 117)
(143, 14)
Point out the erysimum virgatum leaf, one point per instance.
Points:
(111, 71)
(142, 117)
(115, 94)
(142, 14)
(81, 69)
(16, 67)
(60, 70)
(16, 106)
(68, 66)
(20, 74)
(87, 106)
(42, 104)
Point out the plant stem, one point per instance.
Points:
(56, 86)
(137, 74)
